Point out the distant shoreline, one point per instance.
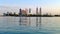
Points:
(28, 16)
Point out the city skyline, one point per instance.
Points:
(48, 6)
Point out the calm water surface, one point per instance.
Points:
(29, 25)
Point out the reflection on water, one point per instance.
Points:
(24, 21)
(38, 21)
(27, 21)
(30, 25)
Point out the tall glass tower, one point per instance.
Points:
(29, 10)
(40, 11)
(20, 12)
(36, 11)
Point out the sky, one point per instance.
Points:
(48, 6)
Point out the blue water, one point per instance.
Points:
(29, 25)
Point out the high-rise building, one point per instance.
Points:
(20, 12)
(36, 11)
(40, 11)
(29, 10)
(24, 12)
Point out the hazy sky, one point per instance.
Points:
(49, 6)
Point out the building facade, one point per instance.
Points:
(29, 10)
(36, 11)
(20, 12)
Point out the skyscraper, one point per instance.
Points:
(37, 11)
(40, 11)
(20, 12)
(24, 12)
(29, 10)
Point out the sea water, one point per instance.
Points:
(29, 25)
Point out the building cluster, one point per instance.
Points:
(38, 11)
(23, 12)
(27, 12)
